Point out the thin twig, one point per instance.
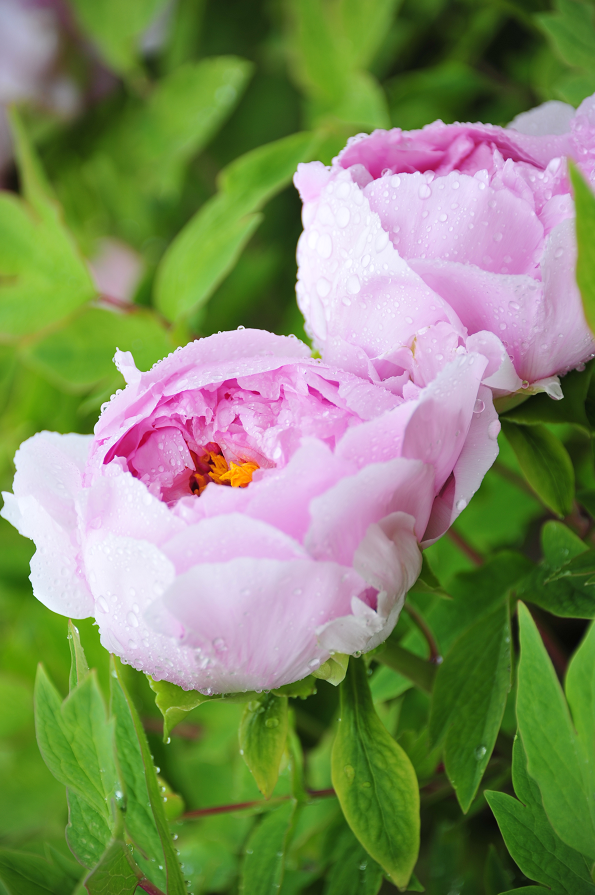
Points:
(239, 806)
(472, 554)
(423, 626)
(147, 886)
(186, 730)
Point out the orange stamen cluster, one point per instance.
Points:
(213, 467)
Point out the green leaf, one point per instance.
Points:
(174, 703)
(208, 246)
(530, 839)
(264, 862)
(545, 464)
(551, 585)
(79, 669)
(387, 684)
(263, 734)
(175, 882)
(24, 873)
(364, 25)
(555, 757)
(43, 278)
(585, 227)
(76, 739)
(116, 28)
(88, 832)
(115, 874)
(469, 699)
(16, 701)
(495, 878)
(353, 871)
(80, 354)
(580, 693)
(421, 672)
(139, 820)
(375, 781)
(571, 31)
(334, 669)
(300, 689)
(541, 409)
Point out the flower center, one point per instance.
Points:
(213, 467)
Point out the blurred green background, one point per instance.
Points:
(172, 177)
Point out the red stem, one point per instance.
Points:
(147, 886)
(238, 806)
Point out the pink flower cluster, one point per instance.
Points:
(244, 511)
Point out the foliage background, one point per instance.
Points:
(142, 163)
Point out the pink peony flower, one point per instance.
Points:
(243, 510)
(418, 245)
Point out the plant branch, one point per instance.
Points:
(147, 886)
(466, 548)
(418, 670)
(240, 806)
(420, 622)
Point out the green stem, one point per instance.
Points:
(240, 806)
(420, 622)
(418, 670)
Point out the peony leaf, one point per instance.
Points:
(43, 278)
(115, 874)
(541, 409)
(571, 31)
(208, 246)
(174, 703)
(580, 693)
(545, 464)
(175, 882)
(556, 757)
(353, 872)
(88, 832)
(585, 230)
(140, 821)
(375, 781)
(79, 668)
(263, 735)
(530, 839)
(333, 670)
(23, 873)
(468, 701)
(264, 862)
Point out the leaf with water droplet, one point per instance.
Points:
(263, 734)
(264, 863)
(385, 814)
(469, 698)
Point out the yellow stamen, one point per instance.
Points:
(219, 467)
(239, 476)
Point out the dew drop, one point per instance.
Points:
(271, 722)
(478, 406)
(103, 605)
(343, 214)
(559, 252)
(424, 191)
(324, 246)
(323, 287)
(461, 504)
(349, 772)
(132, 619)
(494, 429)
(442, 218)
(219, 644)
(353, 284)
(480, 751)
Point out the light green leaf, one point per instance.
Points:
(115, 874)
(387, 684)
(79, 668)
(572, 32)
(555, 757)
(174, 703)
(580, 693)
(263, 734)
(530, 839)
(300, 689)
(88, 832)
(76, 739)
(43, 278)
(80, 354)
(264, 862)
(364, 25)
(584, 201)
(175, 882)
(334, 669)
(24, 873)
(375, 781)
(208, 246)
(116, 28)
(139, 820)
(468, 701)
(545, 464)
(17, 705)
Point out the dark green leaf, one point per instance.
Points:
(353, 871)
(175, 882)
(263, 734)
(530, 839)
(555, 757)
(495, 878)
(585, 218)
(545, 464)
(116, 28)
(542, 409)
(572, 32)
(375, 781)
(469, 699)
(26, 874)
(265, 852)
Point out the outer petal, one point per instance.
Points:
(46, 508)
(262, 634)
(477, 456)
(552, 117)
(457, 218)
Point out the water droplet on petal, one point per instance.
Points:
(353, 284)
(424, 191)
(494, 429)
(478, 406)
